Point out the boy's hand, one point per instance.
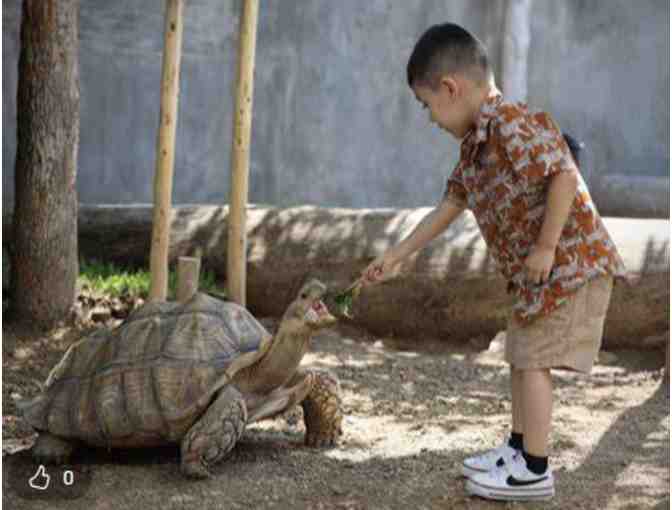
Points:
(539, 263)
(379, 268)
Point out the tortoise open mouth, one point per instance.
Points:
(317, 311)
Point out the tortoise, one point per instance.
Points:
(194, 373)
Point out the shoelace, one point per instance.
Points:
(501, 453)
(496, 453)
(516, 467)
(492, 455)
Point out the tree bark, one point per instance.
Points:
(44, 256)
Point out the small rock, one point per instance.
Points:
(12, 446)
(22, 353)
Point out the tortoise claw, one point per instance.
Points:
(195, 469)
(321, 443)
(323, 440)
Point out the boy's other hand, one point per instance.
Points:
(539, 263)
(379, 269)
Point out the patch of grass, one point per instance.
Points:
(117, 281)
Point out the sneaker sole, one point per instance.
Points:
(511, 494)
(468, 472)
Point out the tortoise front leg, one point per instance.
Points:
(322, 412)
(215, 434)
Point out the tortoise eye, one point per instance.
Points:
(304, 295)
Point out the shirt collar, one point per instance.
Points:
(487, 112)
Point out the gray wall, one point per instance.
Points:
(607, 77)
(334, 122)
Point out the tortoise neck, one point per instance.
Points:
(279, 364)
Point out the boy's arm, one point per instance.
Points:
(539, 153)
(428, 229)
(561, 193)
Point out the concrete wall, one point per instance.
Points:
(603, 69)
(334, 122)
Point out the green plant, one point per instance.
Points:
(116, 281)
(345, 299)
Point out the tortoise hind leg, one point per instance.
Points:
(214, 435)
(50, 449)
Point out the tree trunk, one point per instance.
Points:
(44, 255)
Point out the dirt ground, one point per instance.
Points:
(414, 409)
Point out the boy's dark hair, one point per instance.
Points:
(445, 49)
(575, 147)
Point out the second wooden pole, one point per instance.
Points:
(240, 154)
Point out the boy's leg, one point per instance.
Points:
(537, 403)
(516, 401)
(526, 476)
(499, 456)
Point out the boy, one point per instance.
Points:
(516, 174)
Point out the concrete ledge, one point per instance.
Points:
(450, 291)
(632, 196)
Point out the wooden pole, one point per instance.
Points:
(188, 270)
(240, 154)
(165, 150)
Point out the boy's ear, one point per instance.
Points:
(450, 85)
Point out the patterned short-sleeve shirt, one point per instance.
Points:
(505, 168)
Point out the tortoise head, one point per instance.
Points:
(309, 308)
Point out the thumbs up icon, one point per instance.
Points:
(40, 480)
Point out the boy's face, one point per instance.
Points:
(448, 105)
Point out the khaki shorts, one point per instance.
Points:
(569, 337)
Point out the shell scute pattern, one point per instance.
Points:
(145, 378)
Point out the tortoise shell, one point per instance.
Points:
(148, 380)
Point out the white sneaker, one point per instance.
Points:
(513, 481)
(483, 463)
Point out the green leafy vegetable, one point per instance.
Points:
(345, 299)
